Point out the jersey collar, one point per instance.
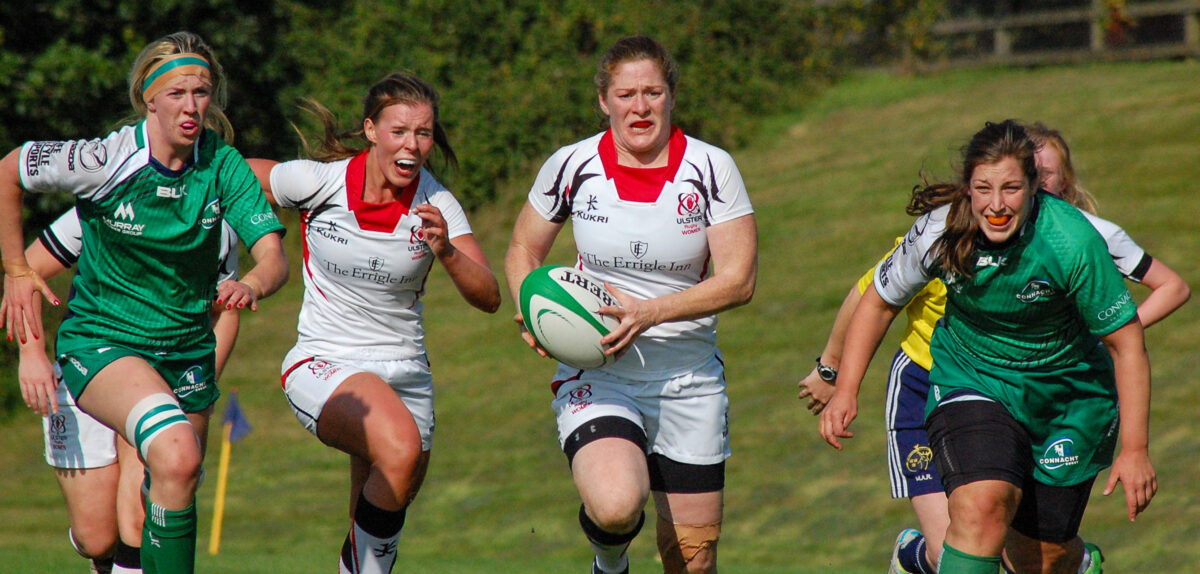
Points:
(382, 217)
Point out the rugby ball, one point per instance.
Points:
(560, 307)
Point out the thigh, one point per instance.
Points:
(977, 440)
(112, 393)
(74, 439)
(90, 495)
(687, 418)
(365, 418)
(1051, 513)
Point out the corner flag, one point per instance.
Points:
(235, 427)
(234, 416)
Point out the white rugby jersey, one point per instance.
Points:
(643, 231)
(365, 264)
(64, 240)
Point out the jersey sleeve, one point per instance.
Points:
(728, 198)
(907, 269)
(551, 193)
(74, 166)
(243, 203)
(64, 238)
(452, 212)
(1132, 261)
(1100, 294)
(869, 276)
(227, 264)
(304, 184)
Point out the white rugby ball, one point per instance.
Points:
(560, 307)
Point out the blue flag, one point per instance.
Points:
(233, 414)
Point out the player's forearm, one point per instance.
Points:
(11, 236)
(270, 270)
(1132, 372)
(472, 276)
(832, 354)
(868, 325)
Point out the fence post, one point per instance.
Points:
(1097, 30)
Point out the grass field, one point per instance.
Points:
(829, 183)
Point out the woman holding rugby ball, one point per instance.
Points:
(375, 220)
(1022, 411)
(653, 212)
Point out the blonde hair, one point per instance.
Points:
(1073, 192)
(172, 45)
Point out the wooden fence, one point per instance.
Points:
(1139, 30)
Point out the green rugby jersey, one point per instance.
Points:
(1025, 331)
(146, 277)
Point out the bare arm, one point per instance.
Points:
(270, 272)
(1168, 292)
(22, 309)
(225, 324)
(733, 247)
(813, 385)
(35, 373)
(1132, 466)
(531, 241)
(463, 259)
(262, 170)
(870, 322)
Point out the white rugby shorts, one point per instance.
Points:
(75, 440)
(309, 381)
(686, 418)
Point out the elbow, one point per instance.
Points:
(489, 301)
(743, 294)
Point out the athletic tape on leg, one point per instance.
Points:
(150, 417)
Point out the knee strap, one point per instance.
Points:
(688, 539)
(150, 417)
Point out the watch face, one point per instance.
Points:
(826, 373)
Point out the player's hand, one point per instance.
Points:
(528, 337)
(39, 386)
(836, 418)
(817, 390)
(635, 316)
(21, 307)
(434, 231)
(1133, 470)
(238, 294)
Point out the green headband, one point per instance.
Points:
(170, 68)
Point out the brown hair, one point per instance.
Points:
(954, 249)
(396, 88)
(633, 49)
(182, 43)
(1073, 192)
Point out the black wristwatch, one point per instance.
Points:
(827, 373)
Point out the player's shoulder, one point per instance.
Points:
(576, 152)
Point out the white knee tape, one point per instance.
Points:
(150, 417)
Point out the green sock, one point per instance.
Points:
(169, 540)
(958, 562)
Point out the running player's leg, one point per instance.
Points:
(601, 433)
(131, 513)
(129, 395)
(365, 418)
(689, 439)
(689, 527)
(83, 453)
(1044, 535)
(910, 465)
